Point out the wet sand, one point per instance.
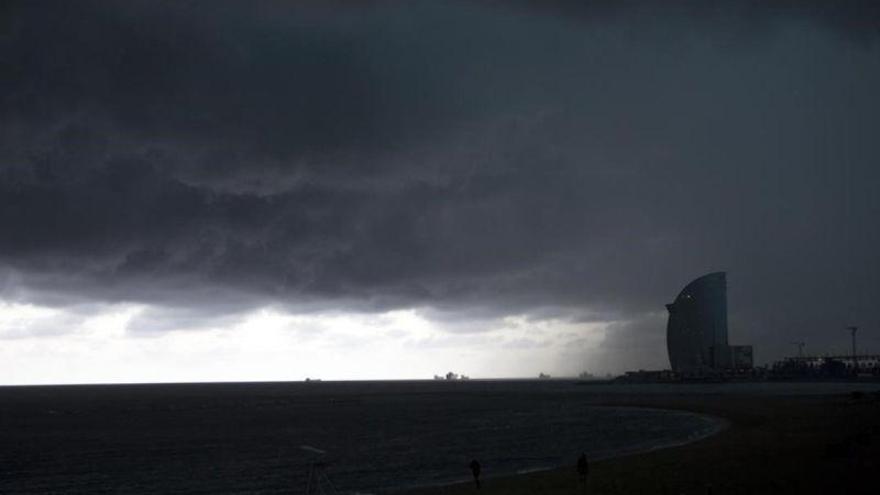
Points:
(774, 444)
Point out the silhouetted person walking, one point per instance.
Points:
(475, 469)
(583, 469)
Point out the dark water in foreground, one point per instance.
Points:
(380, 436)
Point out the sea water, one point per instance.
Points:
(363, 437)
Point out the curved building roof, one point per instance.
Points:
(697, 323)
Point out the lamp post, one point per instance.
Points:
(853, 329)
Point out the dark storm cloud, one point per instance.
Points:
(478, 158)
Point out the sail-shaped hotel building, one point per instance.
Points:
(696, 334)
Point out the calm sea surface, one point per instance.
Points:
(246, 438)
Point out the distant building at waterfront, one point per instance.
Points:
(831, 366)
(696, 334)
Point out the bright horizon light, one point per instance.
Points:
(114, 343)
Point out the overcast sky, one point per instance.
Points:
(199, 191)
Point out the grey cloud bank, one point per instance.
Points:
(468, 158)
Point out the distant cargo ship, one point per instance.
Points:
(452, 376)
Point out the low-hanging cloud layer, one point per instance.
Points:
(476, 161)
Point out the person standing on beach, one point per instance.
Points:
(475, 469)
(583, 468)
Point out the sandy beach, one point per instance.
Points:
(773, 444)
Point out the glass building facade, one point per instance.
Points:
(696, 334)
